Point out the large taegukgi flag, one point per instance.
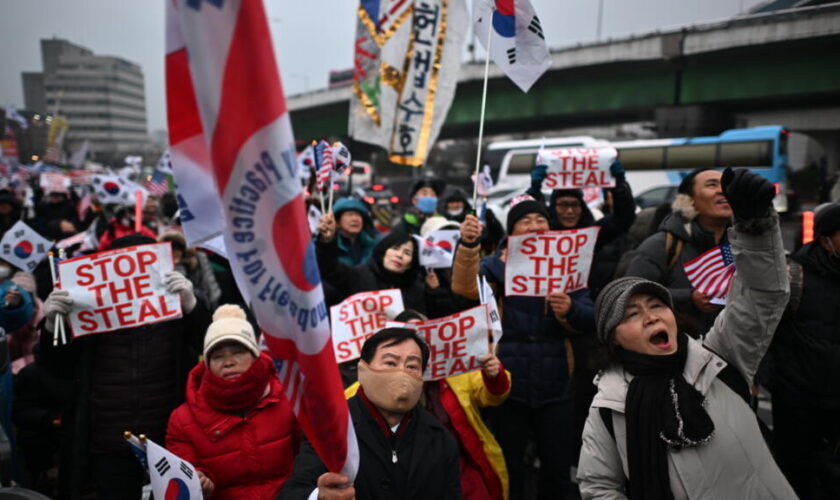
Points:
(517, 43)
(227, 64)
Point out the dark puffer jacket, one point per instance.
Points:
(346, 280)
(651, 263)
(535, 347)
(246, 456)
(129, 379)
(806, 348)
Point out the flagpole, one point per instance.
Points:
(330, 188)
(483, 106)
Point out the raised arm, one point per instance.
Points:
(743, 330)
(467, 259)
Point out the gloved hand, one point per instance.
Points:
(617, 171)
(749, 194)
(538, 174)
(176, 282)
(58, 302)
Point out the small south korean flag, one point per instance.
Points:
(485, 295)
(23, 248)
(115, 189)
(171, 476)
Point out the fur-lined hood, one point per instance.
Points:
(685, 206)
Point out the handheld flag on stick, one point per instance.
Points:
(171, 476)
(341, 162)
(514, 39)
(711, 272)
(245, 118)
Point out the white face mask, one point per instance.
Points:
(5, 271)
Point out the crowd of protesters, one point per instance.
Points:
(637, 386)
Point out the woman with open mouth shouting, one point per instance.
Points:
(671, 418)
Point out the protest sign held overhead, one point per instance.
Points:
(23, 248)
(437, 249)
(360, 316)
(120, 288)
(456, 342)
(578, 167)
(552, 261)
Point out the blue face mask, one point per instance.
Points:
(426, 204)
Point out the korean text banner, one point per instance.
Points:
(118, 289)
(578, 167)
(552, 261)
(360, 316)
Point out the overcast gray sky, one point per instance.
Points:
(312, 36)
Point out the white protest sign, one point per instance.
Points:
(360, 316)
(53, 182)
(551, 261)
(456, 342)
(570, 168)
(438, 248)
(120, 288)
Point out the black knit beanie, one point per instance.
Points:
(827, 220)
(523, 208)
(688, 181)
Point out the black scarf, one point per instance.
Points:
(663, 411)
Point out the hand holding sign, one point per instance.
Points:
(560, 304)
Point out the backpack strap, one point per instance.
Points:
(797, 282)
(673, 249)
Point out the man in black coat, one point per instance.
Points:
(405, 452)
(805, 361)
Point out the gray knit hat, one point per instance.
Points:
(611, 302)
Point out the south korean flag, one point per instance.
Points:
(171, 476)
(116, 189)
(23, 248)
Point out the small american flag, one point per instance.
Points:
(325, 162)
(157, 184)
(711, 273)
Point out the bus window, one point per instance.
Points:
(641, 158)
(691, 156)
(521, 163)
(746, 154)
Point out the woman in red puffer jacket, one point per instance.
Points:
(237, 427)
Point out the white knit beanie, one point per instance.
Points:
(229, 324)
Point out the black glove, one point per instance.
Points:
(749, 194)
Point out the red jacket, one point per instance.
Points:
(246, 457)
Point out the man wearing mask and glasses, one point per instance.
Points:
(405, 452)
(424, 203)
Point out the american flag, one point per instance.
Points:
(157, 184)
(325, 162)
(711, 273)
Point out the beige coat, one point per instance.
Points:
(736, 463)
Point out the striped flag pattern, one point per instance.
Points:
(711, 273)
(224, 92)
(326, 163)
(157, 184)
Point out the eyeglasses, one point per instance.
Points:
(569, 205)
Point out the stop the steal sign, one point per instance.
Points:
(119, 289)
